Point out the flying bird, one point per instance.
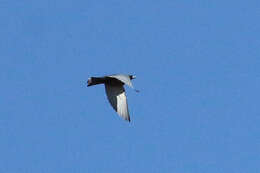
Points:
(114, 85)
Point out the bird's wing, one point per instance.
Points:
(123, 78)
(117, 98)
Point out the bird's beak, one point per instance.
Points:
(89, 82)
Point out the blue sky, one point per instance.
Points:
(197, 66)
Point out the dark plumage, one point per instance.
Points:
(115, 91)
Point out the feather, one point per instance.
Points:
(117, 98)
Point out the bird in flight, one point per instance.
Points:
(114, 85)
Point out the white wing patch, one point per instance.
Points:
(123, 78)
(117, 98)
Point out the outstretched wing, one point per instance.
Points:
(123, 78)
(117, 98)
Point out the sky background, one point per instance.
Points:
(198, 69)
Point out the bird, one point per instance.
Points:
(114, 86)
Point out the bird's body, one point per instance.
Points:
(115, 91)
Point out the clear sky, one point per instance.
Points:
(198, 69)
